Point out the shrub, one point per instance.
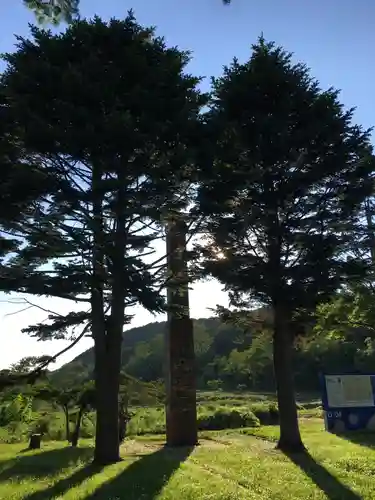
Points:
(210, 417)
(87, 428)
(227, 418)
(41, 426)
(267, 413)
(214, 385)
(147, 421)
(316, 412)
(15, 432)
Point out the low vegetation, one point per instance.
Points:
(216, 411)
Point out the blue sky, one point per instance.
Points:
(335, 38)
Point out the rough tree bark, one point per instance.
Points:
(108, 339)
(181, 416)
(106, 437)
(106, 346)
(290, 438)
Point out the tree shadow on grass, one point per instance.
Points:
(62, 486)
(44, 463)
(145, 478)
(328, 483)
(361, 438)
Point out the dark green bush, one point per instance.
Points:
(267, 413)
(227, 418)
(15, 432)
(215, 385)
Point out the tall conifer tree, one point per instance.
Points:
(110, 112)
(288, 176)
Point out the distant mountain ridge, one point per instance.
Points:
(143, 350)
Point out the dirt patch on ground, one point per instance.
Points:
(134, 447)
(212, 443)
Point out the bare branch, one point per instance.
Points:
(30, 305)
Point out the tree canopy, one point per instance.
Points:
(54, 11)
(110, 112)
(57, 11)
(290, 171)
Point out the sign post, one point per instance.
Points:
(348, 402)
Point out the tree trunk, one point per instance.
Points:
(107, 387)
(106, 436)
(107, 348)
(67, 429)
(290, 438)
(181, 413)
(77, 429)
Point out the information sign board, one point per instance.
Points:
(348, 402)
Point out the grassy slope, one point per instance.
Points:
(228, 465)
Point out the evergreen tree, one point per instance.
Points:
(287, 179)
(26, 371)
(22, 185)
(85, 402)
(54, 10)
(351, 313)
(60, 397)
(111, 113)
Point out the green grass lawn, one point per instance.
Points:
(227, 465)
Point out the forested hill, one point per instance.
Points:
(143, 350)
(229, 358)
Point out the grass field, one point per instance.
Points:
(230, 465)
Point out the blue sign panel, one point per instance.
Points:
(348, 402)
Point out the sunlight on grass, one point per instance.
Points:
(234, 464)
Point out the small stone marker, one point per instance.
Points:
(35, 441)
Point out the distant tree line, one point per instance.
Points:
(229, 359)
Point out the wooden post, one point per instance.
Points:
(35, 440)
(181, 412)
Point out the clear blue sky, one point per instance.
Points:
(334, 38)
